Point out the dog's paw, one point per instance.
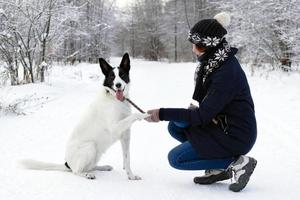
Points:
(141, 116)
(134, 177)
(90, 176)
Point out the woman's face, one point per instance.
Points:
(197, 50)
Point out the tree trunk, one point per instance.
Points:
(175, 33)
(13, 74)
(45, 35)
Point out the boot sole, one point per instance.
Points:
(211, 180)
(244, 179)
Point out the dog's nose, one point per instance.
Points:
(118, 85)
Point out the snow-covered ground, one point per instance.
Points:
(52, 109)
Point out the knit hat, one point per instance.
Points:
(209, 32)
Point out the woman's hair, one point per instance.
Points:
(201, 48)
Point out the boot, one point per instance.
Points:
(213, 175)
(242, 169)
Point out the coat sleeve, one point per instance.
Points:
(220, 92)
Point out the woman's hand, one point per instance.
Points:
(154, 115)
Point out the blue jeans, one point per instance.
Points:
(185, 157)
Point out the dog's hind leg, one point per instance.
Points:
(83, 160)
(125, 141)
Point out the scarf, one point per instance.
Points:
(211, 60)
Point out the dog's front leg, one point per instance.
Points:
(125, 141)
(126, 123)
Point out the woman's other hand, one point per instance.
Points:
(192, 106)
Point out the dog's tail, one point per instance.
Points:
(38, 165)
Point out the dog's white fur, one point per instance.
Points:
(106, 121)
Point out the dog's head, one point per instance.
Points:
(117, 78)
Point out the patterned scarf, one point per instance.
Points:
(212, 60)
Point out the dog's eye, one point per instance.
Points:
(111, 76)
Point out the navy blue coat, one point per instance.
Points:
(225, 96)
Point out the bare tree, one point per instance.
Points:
(266, 31)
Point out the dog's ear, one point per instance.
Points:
(125, 63)
(105, 67)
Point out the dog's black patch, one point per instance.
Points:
(124, 75)
(67, 166)
(109, 79)
(125, 63)
(107, 70)
(124, 68)
(105, 67)
(109, 74)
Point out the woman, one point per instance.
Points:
(216, 135)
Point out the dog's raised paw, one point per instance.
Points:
(141, 116)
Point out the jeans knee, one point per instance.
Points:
(173, 161)
(175, 126)
(181, 124)
(176, 132)
(171, 127)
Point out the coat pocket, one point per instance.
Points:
(222, 122)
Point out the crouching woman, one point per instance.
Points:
(216, 134)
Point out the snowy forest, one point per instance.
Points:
(50, 80)
(34, 34)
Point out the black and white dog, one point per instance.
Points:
(107, 120)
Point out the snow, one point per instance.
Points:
(5, 34)
(44, 36)
(56, 105)
(43, 64)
